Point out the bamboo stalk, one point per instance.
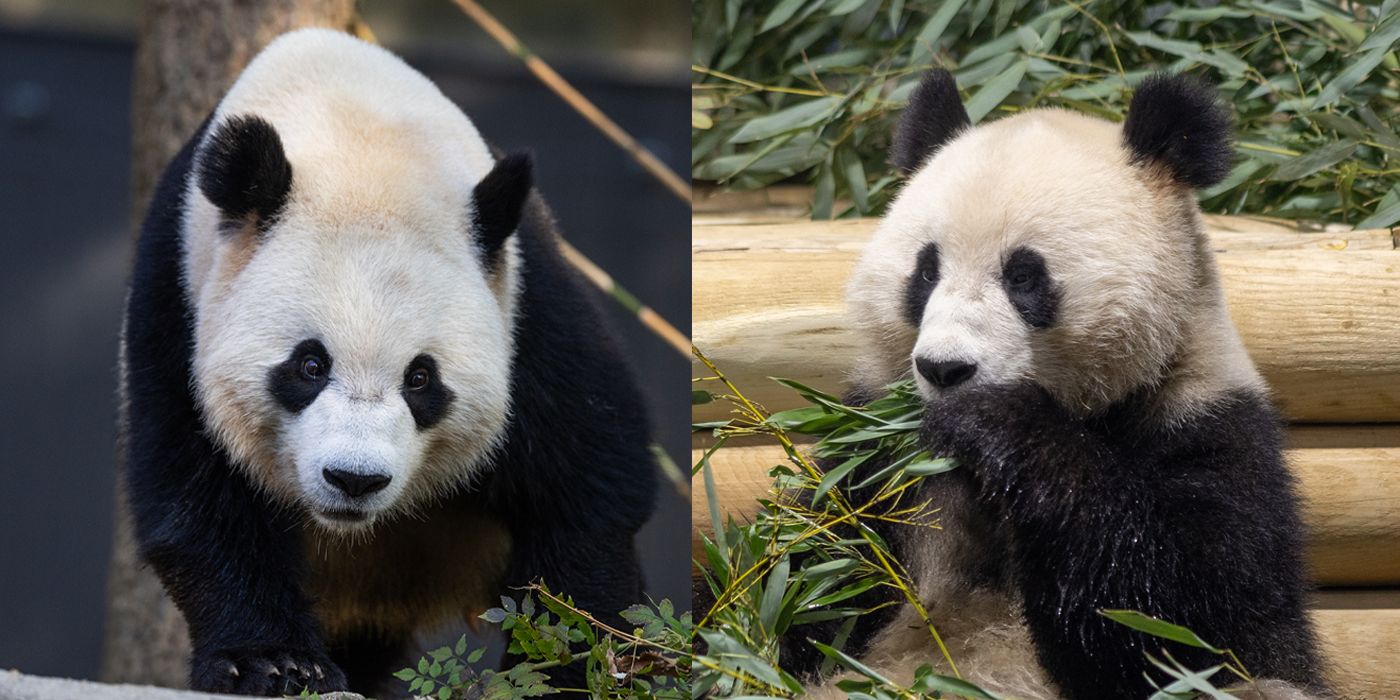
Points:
(576, 100)
(645, 314)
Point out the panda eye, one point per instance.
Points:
(1022, 279)
(311, 368)
(417, 379)
(931, 279)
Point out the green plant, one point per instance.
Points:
(651, 661)
(808, 90)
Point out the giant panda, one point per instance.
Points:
(1046, 281)
(362, 393)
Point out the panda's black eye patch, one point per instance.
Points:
(298, 380)
(427, 397)
(1030, 289)
(921, 283)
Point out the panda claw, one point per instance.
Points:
(233, 670)
(272, 670)
(319, 673)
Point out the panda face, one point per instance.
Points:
(357, 372)
(1032, 249)
(353, 278)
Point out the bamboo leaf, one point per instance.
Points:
(1157, 628)
(800, 115)
(995, 91)
(1383, 36)
(1315, 160)
(782, 12)
(927, 38)
(1349, 78)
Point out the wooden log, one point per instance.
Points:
(1318, 311)
(1351, 501)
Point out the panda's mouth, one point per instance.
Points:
(344, 517)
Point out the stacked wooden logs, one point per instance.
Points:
(1319, 311)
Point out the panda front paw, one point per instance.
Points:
(268, 671)
(980, 422)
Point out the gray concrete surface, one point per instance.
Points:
(18, 686)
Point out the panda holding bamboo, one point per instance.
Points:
(362, 393)
(1047, 281)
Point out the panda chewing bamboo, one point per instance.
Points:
(362, 393)
(1046, 280)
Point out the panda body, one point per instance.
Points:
(356, 378)
(1047, 281)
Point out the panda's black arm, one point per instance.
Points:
(229, 560)
(1194, 522)
(576, 479)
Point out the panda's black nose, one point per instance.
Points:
(946, 373)
(354, 484)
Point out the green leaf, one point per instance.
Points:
(847, 661)
(834, 476)
(1157, 628)
(956, 686)
(825, 192)
(771, 604)
(730, 653)
(995, 91)
(1383, 218)
(854, 173)
(423, 665)
(1315, 160)
(1192, 14)
(406, 674)
(800, 115)
(475, 656)
(700, 396)
(927, 39)
(1383, 36)
(1358, 71)
(845, 7)
(462, 645)
(781, 13)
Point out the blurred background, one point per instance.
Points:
(65, 249)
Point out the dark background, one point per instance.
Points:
(65, 248)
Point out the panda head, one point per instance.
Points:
(352, 266)
(1051, 247)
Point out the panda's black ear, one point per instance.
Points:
(497, 203)
(244, 171)
(933, 116)
(1177, 122)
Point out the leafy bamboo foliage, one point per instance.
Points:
(651, 662)
(808, 90)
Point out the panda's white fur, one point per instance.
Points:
(1140, 285)
(369, 256)
(1141, 351)
(352, 364)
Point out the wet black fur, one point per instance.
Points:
(245, 171)
(1178, 122)
(1194, 521)
(933, 117)
(573, 483)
